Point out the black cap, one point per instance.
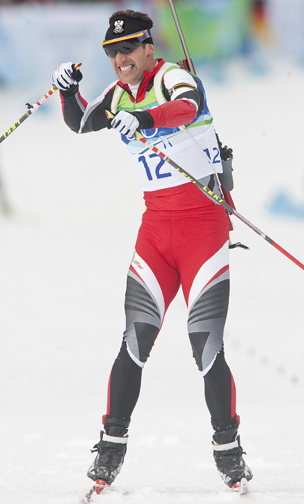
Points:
(121, 25)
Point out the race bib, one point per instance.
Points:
(154, 173)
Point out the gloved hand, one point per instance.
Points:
(125, 122)
(226, 152)
(66, 77)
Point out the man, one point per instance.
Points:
(183, 239)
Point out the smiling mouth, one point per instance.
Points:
(126, 68)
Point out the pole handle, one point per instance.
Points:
(55, 88)
(32, 109)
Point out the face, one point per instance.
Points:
(130, 68)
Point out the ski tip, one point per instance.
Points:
(241, 487)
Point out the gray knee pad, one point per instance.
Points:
(143, 319)
(206, 322)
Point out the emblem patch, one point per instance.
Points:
(118, 26)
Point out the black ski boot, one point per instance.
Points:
(111, 450)
(228, 453)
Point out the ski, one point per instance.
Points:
(241, 487)
(95, 490)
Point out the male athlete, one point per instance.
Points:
(183, 239)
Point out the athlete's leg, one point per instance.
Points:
(207, 316)
(152, 284)
(204, 274)
(207, 292)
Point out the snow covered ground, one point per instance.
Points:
(65, 250)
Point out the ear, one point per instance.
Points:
(150, 49)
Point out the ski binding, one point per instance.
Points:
(95, 490)
(241, 487)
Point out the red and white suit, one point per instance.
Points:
(183, 239)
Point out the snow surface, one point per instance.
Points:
(65, 249)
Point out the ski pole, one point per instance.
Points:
(188, 65)
(181, 36)
(192, 69)
(32, 109)
(217, 199)
(211, 195)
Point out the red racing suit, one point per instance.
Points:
(183, 239)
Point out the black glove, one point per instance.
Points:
(226, 152)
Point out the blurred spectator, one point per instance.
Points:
(16, 2)
(259, 21)
(259, 14)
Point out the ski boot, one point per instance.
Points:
(228, 455)
(111, 451)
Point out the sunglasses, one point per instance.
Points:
(125, 45)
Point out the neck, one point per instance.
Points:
(151, 64)
(150, 67)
